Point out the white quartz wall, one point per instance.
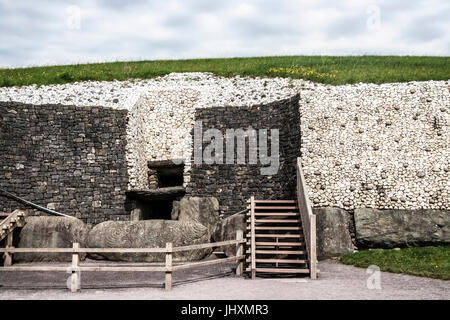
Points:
(379, 146)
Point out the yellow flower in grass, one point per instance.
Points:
(305, 71)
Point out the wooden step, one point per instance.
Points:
(279, 270)
(276, 214)
(280, 236)
(275, 228)
(276, 221)
(275, 201)
(278, 261)
(276, 208)
(278, 244)
(278, 251)
(271, 247)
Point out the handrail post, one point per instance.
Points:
(239, 252)
(9, 255)
(168, 282)
(75, 280)
(253, 244)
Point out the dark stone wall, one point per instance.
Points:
(66, 158)
(233, 185)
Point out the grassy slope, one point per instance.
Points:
(325, 69)
(433, 262)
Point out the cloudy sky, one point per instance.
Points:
(61, 32)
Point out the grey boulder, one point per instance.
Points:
(401, 228)
(204, 210)
(226, 230)
(175, 210)
(51, 232)
(148, 234)
(333, 232)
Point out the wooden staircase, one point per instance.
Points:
(278, 245)
(9, 222)
(281, 235)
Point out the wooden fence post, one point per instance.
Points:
(168, 282)
(239, 252)
(9, 255)
(75, 281)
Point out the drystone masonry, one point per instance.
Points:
(233, 184)
(69, 159)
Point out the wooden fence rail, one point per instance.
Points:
(168, 269)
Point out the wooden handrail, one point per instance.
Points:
(7, 226)
(17, 216)
(33, 205)
(308, 220)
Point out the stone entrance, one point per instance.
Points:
(165, 185)
(166, 173)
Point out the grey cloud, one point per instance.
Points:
(37, 31)
(262, 28)
(182, 22)
(425, 29)
(15, 57)
(207, 6)
(121, 4)
(346, 27)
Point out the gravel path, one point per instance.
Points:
(337, 281)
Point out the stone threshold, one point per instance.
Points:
(166, 193)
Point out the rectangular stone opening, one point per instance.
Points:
(154, 203)
(159, 209)
(166, 173)
(170, 176)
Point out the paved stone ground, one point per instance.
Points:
(336, 281)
